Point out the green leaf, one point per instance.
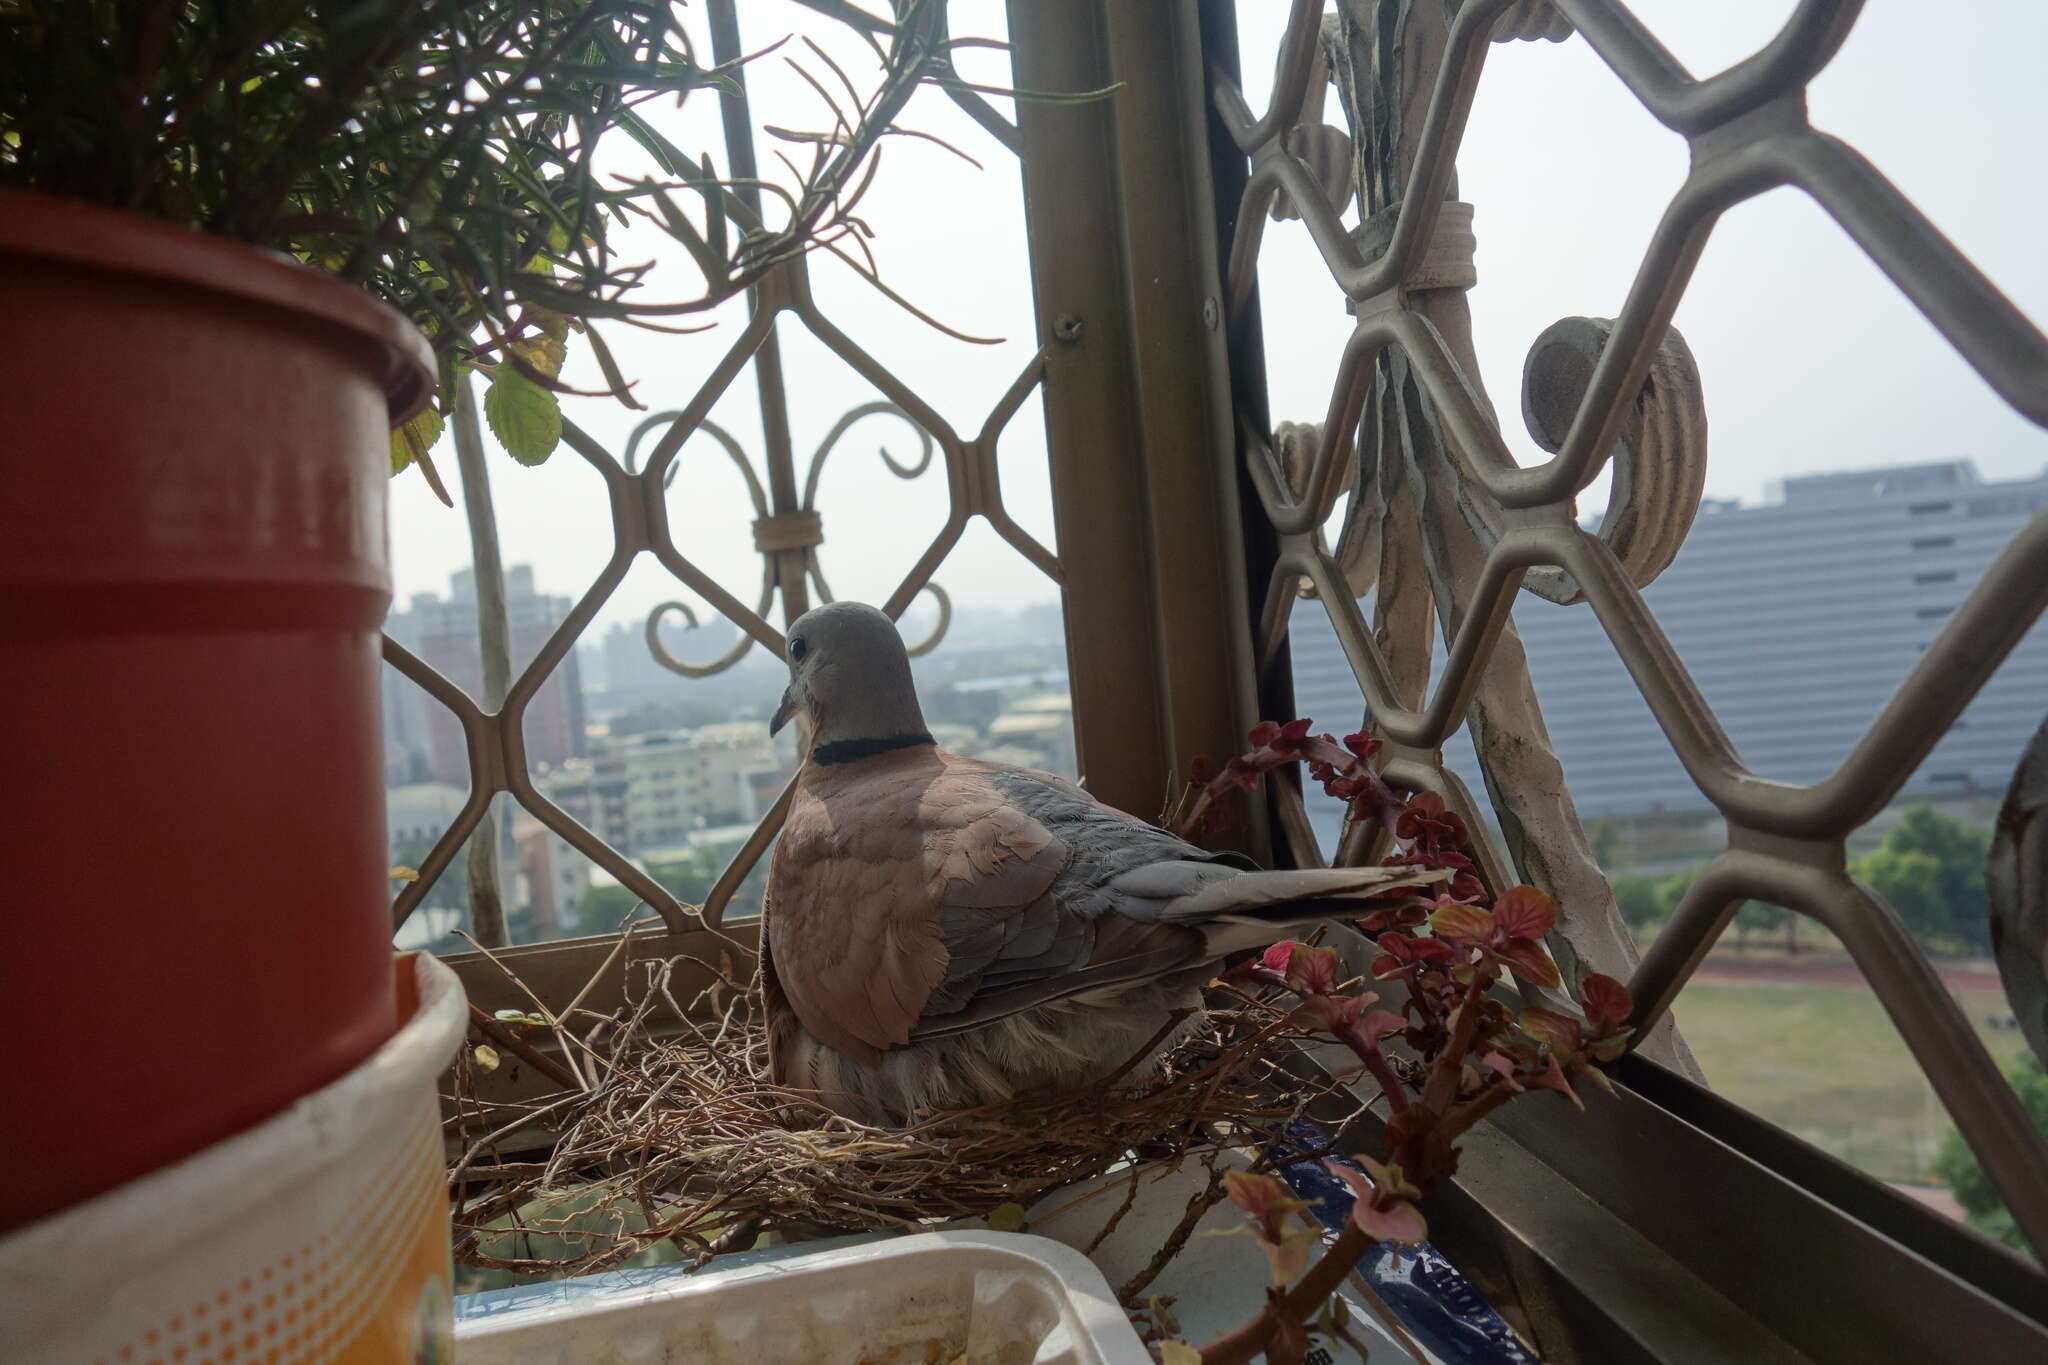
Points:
(551, 323)
(543, 353)
(526, 418)
(414, 439)
(613, 376)
(1006, 1218)
(410, 445)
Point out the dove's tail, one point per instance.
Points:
(1240, 910)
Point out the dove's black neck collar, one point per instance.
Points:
(851, 750)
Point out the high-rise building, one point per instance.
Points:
(1798, 618)
(652, 791)
(444, 633)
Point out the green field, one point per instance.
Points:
(1824, 1062)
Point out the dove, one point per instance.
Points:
(945, 933)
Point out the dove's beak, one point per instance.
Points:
(783, 712)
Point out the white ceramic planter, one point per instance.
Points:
(320, 1235)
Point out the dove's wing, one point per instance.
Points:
(1135, 903)
(922, 894)
(894, 882)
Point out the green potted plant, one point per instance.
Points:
(241, 242)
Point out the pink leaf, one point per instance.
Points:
(1556, 1031)
(1503, 1066)
(1530, 962)
(1264, 733)
(1550, 1076)
(1377, 1025)
(1525, 912)
(1314, 971)
(1400, 1221)
(1461, 923)
(1607, 1004)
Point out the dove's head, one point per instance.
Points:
(849, 674)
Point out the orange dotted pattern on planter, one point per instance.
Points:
(309, 1304)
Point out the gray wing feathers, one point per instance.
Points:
(1209, 895)
(1132, 903)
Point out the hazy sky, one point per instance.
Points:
(1810, 359)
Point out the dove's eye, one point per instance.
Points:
(797, 650)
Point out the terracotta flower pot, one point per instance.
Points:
(193, 570)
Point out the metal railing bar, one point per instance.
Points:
(757, 331)
(441, 855)
(1807, 877)
(1337, 443)
(1492, 598)
(1674, 250)
(2011, 1150)
(1022, 387)
(1972, 644)
(847, 419)
(1991, 333)
(1241, 271)
(1443, 129)
(1652, 74)
(1660, 675)
(1796, 54)
(724, 661)
(875, 372)
(927, 563)
(573, 832)
(743, 862)
(1291, 67)
(715, 593)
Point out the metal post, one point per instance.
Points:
(486, 902)
(1122, 236)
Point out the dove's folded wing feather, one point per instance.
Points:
(896, 886)
(920, 894)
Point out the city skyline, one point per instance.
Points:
(1809, 358)
(1797, 618)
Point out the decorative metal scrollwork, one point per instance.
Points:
(1660, 454)
(1445, 527)
(801, 531)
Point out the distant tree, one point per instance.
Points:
(1930, 867)
(1636, 898)
(1957, 1166)
(1758, 917)
(1911, 882)
(1657, 900)
(1671, 890)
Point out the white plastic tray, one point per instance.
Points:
(937, 1298)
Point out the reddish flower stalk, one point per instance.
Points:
(1477, 1053)
(1345, 770)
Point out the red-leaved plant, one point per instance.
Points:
(1475, 1052)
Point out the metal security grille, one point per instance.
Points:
(788, 522)
(1190, 525)
(1442, 523)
